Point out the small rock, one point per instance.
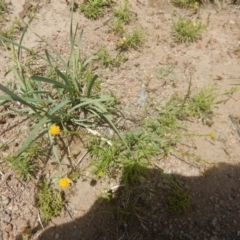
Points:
(5, 217)
(11, 237)
(9, 228)
(57, 236)
(15, 208)
(238, 233)
(232, 22)
(5, 235)
(214, 222)
(5, 201)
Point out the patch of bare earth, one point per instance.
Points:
(213, 182)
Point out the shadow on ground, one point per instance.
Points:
(152, 210)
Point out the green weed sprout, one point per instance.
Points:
(68, 98)
(50, 201)
(179, 201)
(123, 13)
(107, 60)
(185, 30)
(203, 101)
(186, 3)
(3, 8)
(94, 9)
(133, 40)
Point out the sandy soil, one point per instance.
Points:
(214, 184)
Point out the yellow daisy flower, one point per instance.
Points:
(54, 130)
(64, 182)
(101, 174)
(212, 135)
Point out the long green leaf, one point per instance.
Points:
(36, 128)
(15, 97)
(103, 113)
(89, 101)
(16, 44)
(22, 36)
(68, 85)
(58, 55)
(90, 85)
(57, 107)
(10, 98)
(54, 150)
(48, 80)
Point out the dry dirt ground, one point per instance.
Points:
(214, 185)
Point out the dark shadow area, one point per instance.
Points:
(154, 209)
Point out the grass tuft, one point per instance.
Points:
(133, 40)
(185, 30)
(94, 9)
(50, 201)
(107, 60)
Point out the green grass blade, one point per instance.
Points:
(68, 85)
(90, 85)
(103, 113)
(88, 101)
(22, 36)
(59, 106)
(16, 44)
(24, 100)
(14, 97)
(29, 140)
(48, 80)
(58, 56)
(54, 150)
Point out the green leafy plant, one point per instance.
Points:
(107, 60)
(94, 9)
(12, 30)
(133, 40)
(123, 13)
(118, 27)
(186, 3)
(203, 101)
(3, 8)
(166, 73)
(50, 201)
(179, 201)
(25, 167)
(185, 30)
(67, 100)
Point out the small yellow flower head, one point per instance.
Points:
(54, 130)
(64, 182)
(101, 174)
(212, 135)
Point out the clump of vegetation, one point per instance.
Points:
(12, 30)
(179, 201)
(3, 8)
(237, 2)
(122, 17)
(156, 136)
(185, 30)
(27, 166)
(122, 13)
(133, 40)
(203, 101)
(68, 99)
(166, 73)
(49, 201)
(94, 9)
(186, 3)
(107, 60)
